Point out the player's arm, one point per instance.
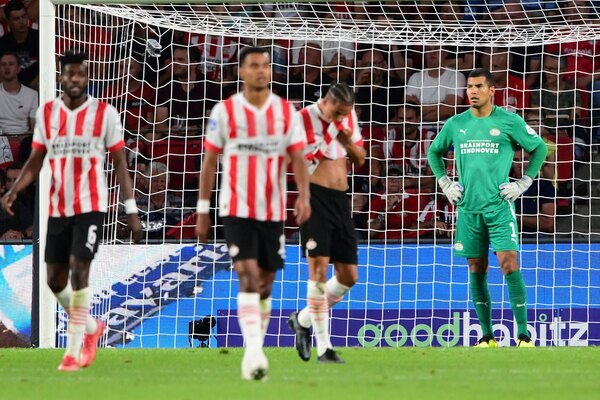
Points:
(452, 190)
(28, 175)
(536, 147)
(353, 142)
(133, 221)
(538, 156)
(216, 136)
(206, 185)
(302, 209)
(356, 152)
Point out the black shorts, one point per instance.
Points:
(78, 235)
(248, 239)
(330, 230)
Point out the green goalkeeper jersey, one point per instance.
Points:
(484, 149)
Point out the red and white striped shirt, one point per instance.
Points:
(76, 142)
(254, 143)
(320, 135)
(216, 52)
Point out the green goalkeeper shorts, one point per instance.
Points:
(475, 232)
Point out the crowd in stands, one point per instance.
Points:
(404, 94)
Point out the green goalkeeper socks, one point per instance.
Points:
(518, 300)
(481, 300)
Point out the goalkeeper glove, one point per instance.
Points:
(452, 190)
(511, 190)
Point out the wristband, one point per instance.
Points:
(202, 206)
(130, 207)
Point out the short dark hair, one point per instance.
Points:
(341, 92)
(10, 53)
(478, 72)
(71, 57)
(409, 105)
(13, 5)
(192, 52)
(246, 51)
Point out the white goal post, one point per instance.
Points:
(412, 290)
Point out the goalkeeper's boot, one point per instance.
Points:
(90, 345)
(524, 341)
(302, 337)
(330, 357)
(486, 342)
(255, 366)
(68, 364)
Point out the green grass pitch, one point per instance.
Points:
(381, 373)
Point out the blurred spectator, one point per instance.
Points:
(446, 212)
(525, 61)
(307, 82)
(20, 225)
(560, 161)
(582, 68)
(3, 188)
(437, 89)
(79, 35)
(461, 58)
(360, 214)
(285, 13)
(398, 211)
(183, 102)
(18, 103)
(33, 12)
(132, 95)
(140, 179)
(23, 41)
(401, 63)
(366, 179)
(376, 90)
(535, 208)
(164, 209)
(406, 145)
(337, 57)
(511, 92)
(556, 98)
(218, 55)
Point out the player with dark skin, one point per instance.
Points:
(74, 80)
(78, 198)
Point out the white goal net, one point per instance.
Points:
(164, 66)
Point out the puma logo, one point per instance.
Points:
(463, 131)
(485, 303)
(520, 305)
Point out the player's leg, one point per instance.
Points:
(84, 331)
(266, 285)
(316, 312)
(344, 255)
(517, 294)
(254, 363)
(338, 285)
(57, 278)
(482, 301)
(504, 236)
(318, 309)
(472, 242)
(316, 236)
(58, 248)
(244, 240)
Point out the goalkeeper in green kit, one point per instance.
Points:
(485, 138)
